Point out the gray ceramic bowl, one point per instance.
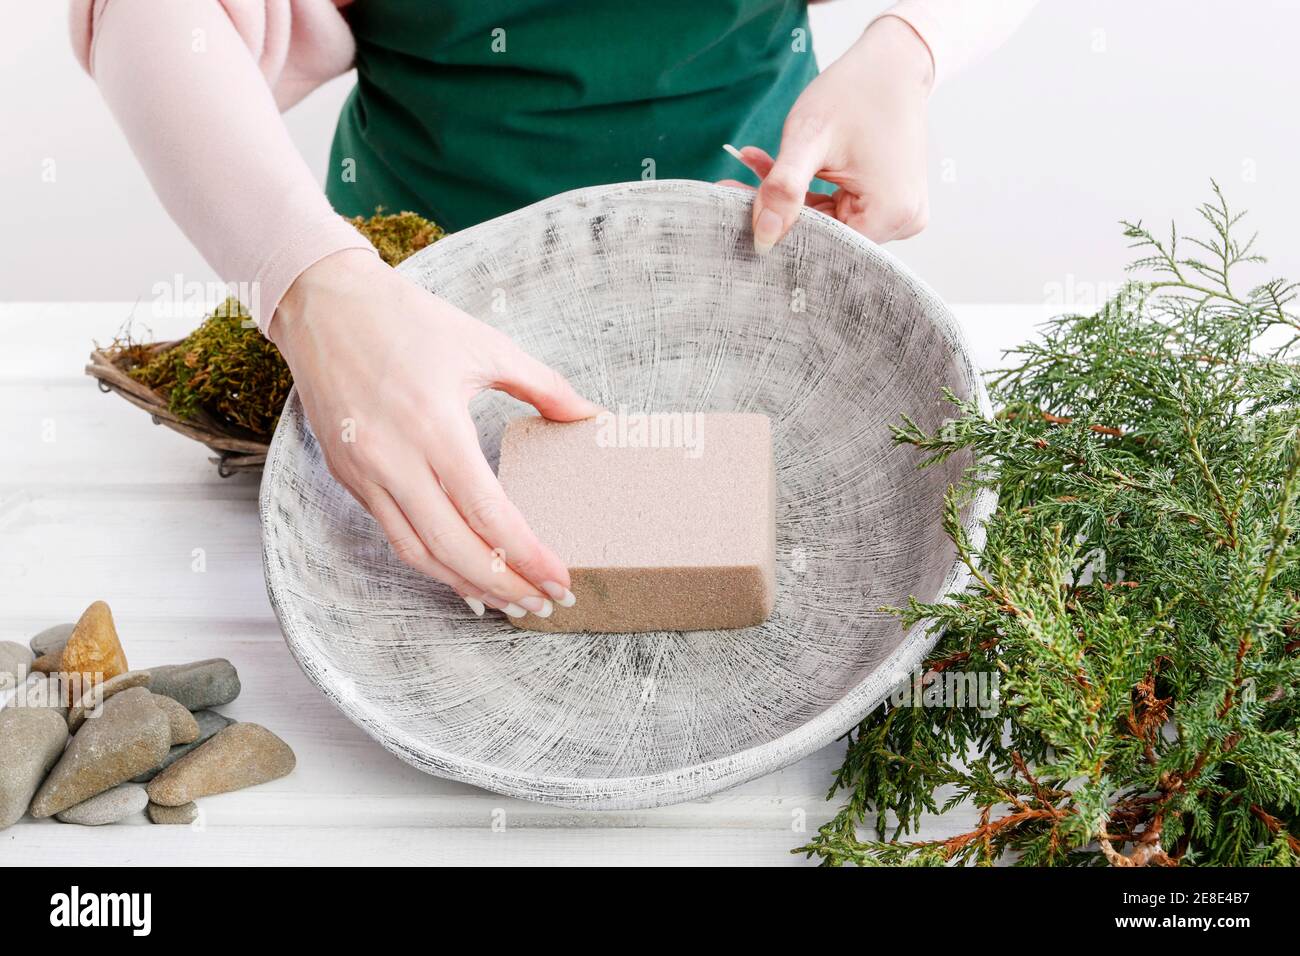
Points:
(650, 295)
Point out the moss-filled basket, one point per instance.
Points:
(224, 385)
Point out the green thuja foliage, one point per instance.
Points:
(1136, 595)
(227, 371)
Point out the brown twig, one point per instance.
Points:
(961, 657)
(1275, 826)
(1146, 852)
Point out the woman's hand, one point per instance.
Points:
(386, 372)
(861, 126)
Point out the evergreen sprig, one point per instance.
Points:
(1136, 595)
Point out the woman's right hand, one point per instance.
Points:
(386, 372)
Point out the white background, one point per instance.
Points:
(1093, 112)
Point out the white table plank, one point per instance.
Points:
(53, 340)
(138, 551)
(54, 844)
(65, 433)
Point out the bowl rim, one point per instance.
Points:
(667, 787)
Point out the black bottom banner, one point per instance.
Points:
(266, 904)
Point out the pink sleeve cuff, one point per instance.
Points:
(291, 260)
(960, 32)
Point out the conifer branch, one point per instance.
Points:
(1135, 598)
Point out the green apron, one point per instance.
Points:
(467, 109)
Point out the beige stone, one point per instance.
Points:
(31, 741)
(96, 695)
(132, 735)
(185, 814)
(242, 755)
(94, 650)
(48, 663)
(185, 729)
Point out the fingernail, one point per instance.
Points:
(513, 609)
(538, 605)
(767, 230)
(562, 595)
(733, 152)
(475, 605)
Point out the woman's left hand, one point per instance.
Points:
(859, 125)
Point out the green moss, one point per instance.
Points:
(398, 236)
(226, 370)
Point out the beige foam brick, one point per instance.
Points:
(665, 522)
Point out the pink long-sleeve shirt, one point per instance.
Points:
(198, 86)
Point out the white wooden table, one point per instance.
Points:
(97, 502)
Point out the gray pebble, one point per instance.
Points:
(185, 729)
(15, 661)
(184, 814)
(51, 639)
(198, 685)
(31, 740)
(42, 691)
(209, 722)
(107, 807)
(89, 704)
(129, 737)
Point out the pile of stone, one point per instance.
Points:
(87, 740)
